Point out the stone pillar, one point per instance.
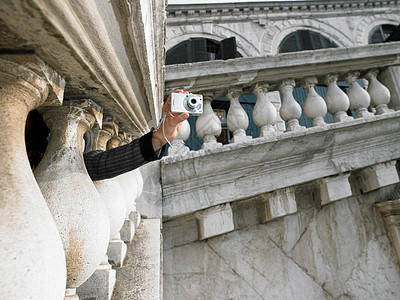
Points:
(390, 212)
(380, 95)
(114, 199)
(132, 185)
(359, 98)
(237, 118)
(290, 110)
(76, 205)
(31, 252)
(314, 106)
(208, 125)
(336, 100)
(178, 143)
(264, 113)
(100, 285)
(390, 77)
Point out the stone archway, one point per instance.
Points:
(369, 22)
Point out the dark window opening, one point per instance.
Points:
(381, 33)
(302, 40)
(201, 49)
(36, 138)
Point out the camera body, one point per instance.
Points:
(190, 103)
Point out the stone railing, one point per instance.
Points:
(254, 180)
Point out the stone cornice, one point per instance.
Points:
(273, 10)
(107, 52)
(206, 178)
(246, 72)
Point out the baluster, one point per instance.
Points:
(178, 143)
(380, 95)
(359, 98)
(314, 106)
(208, 125)
(76, 205)
(132, 184)
(264, 113)
(31, 252)
(336, 100)
(290, 109)
(237, 118)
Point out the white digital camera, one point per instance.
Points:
(191, 103)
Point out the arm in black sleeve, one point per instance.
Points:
(113, 162)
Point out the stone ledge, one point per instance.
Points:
(204, 179)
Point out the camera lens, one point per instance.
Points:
(192, 103)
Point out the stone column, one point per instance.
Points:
(390, 77)
(237, 118)
(76, 205)
(380, 95)
(359, 98)
(31, 252)
(390, 212)
(314, 106)
(290, 109)
(336, 100)
(178, 143)
(264, 113)
(208, 125)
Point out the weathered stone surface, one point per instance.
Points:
(378, 175)
(215, 221)
(99, 286)
(334, 188)
(140, 277)
(338, 251)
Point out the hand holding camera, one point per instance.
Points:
(176, 110)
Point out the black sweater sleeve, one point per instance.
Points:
(113, 162)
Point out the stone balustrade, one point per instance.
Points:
(253, 180)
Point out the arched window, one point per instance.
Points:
(302, 40)
(381, 33)
(201, 49)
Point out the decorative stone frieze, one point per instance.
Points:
(31, 252)
(264, 113)
(334, 188)
(76, 205)
(337, 101)
(380, 95)
(390, 211)
(237, 118)
(215, 221)
(208, 125)
(378, 175)
(314, 106)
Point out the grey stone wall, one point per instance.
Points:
(339, 251)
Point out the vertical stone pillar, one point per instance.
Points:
(359, 98)
(264, 113)
(208, 125)
(76, 205)
(380, 95)
(390, 212)
(314, 106)
(31, 252)
(336, 100)
(237, 118)
(178, 143)
(390, 77)
(290, 110)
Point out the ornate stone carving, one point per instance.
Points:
(314, 106)
(264, 113)
(208, 125)
(336, 100)
(237, 118)
(380, 95)
(290, 109)
(359, 98)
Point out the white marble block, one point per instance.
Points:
(215, 221)
(99, 286)
(116, 253)
(128, 231)
(279, 203)
(334, 188)
(378, 175)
